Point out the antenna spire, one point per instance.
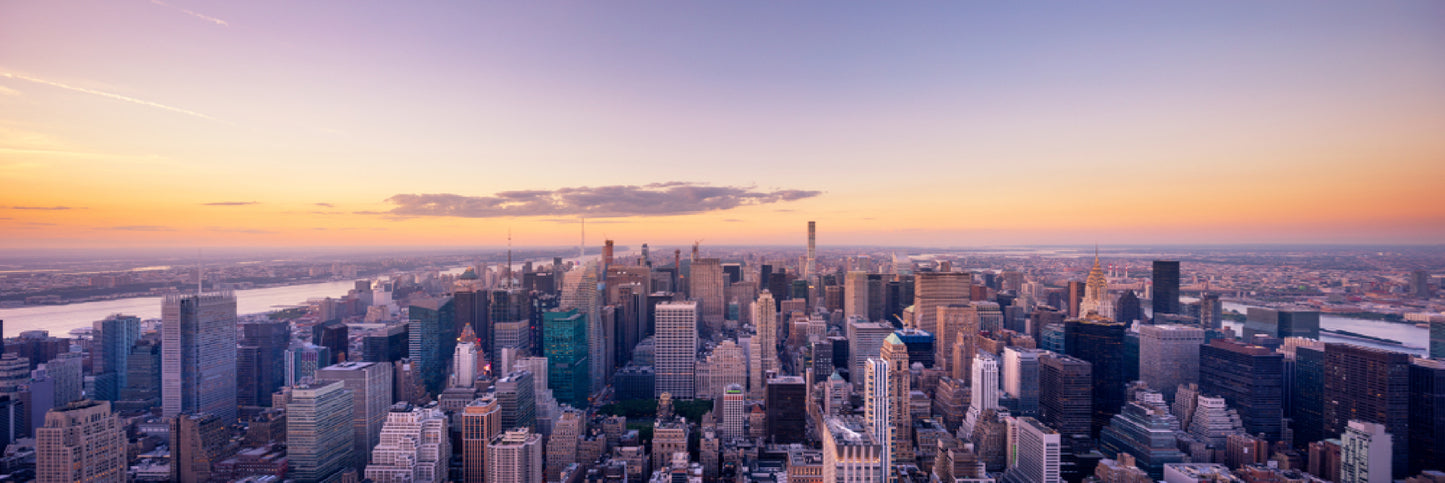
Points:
(509, 258)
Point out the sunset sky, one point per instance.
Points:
(278, 123)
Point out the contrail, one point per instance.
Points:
(118, 97)
(201, 16)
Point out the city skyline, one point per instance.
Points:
(198, 123)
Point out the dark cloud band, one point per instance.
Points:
(657, 199)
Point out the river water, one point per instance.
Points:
(60, 319)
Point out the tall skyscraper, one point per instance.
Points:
(198, 442)
(809, 268)
(198, 354)
(1100, 341)
(787, 409)
(855, 295)
(676, 357)
(515, 457)
(433, 332)
(765, 317)
(1096, 294)
(1427, 415)
(1373, 386)
(1020, 373)
(1250, 378)
(1169, 356)
(370, 387)
(877, 408)
(564, 339)
(481, 422)
(1365, 453)
(932, 290)
(733, 423)
(1145, 430)
(81, 442)
(270, 339)
(318, 436)
(1307, 403)
(1038, 448)
(1066, 395)
(865, 339)
(464, 360)
(706, 287)
(414, 447)
(957, 325)
(1166, 287)
(114, 337)
(516, 393)
(1420, 285)
(852, 452)
(983, 389)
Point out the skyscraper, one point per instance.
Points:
(370, 387)
(515, 457)
(1373, 386)
(318, 436)
(1100, 342)
(952, 321)
(198, 442)
(855, 295)
(481, 422)
(1427, 415)
(198, 354)
(1096, 294)
(1066, 395)
(564, 339)
(1166, 287)
(809, 269)
(114, 337)
(1282, 323)
(787, 409)
(270, 340)
(1038, 448)
(877, 408)
(1020, 373)
(932, 290)
(1250, 378)
(464, 360)
(865, 339)
(852, 452)
(81, 442)
(516, 394)
(983, 389)
(765, 317)
(433, 332)
(706, 287)
(1169, 356)
(676, 357)
(1145, 430)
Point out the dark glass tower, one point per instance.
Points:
(1250, 378)
(1307, 396)
(1427, 415)
(787, 412)
(1100, 342)
(1166, 287)
(1066, 395)
(1370, 385)
(565, 344)
(433, 339)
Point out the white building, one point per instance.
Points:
(1039, 448)
(515, 457)
(676, 358)
(1365, 453)
(415, 447)
(851, 453)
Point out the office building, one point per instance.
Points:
(1169, 356)
(676, 357)
(1038, 448)
(1100, 342)
(414, 447)
(1373, 386)
(765, 318)
(142, 389)
(1020, 375)
(562, 444)
(787, 409)
(983, 389)
(318, 434)
(302, 361)
(389, 344)
(433, 333)
(1145, 430)
(198, 354)
(266, 343)
(706, 286)
(516, 394)
(1166, 287)
(877, 407)
(370, 387)
(1427, 415)
(1307, 404)
(81, 442)
(865, 339)
(958, 325)
(1250, 378)
(114, 337)
(932, 290)
(669, 437)
(855, 295)
(515, 457)
(1096, 298)
(733, 421)
(1365, 453)
(481, 422)
(564, 341)
(1066, 395)
(198, 442)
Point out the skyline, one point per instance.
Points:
(202, 123)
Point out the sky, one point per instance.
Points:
(191, 123)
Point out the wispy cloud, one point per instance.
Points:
(657, 199)
(246, 231)
(328, 205)
(231, 203)
(732, 220)
(46, 208)
(6, 91)
(140, 228)
(201, 16)
(118, 97)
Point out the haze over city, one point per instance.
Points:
(203, 123)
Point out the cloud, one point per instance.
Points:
(732, 220)
(657, 199)
(247, 231)
(231, 203)
(141, 228)
(6, 91)
(117, 97)
(207, 18)
(46, 208)
(328, 205)
(39, 223)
